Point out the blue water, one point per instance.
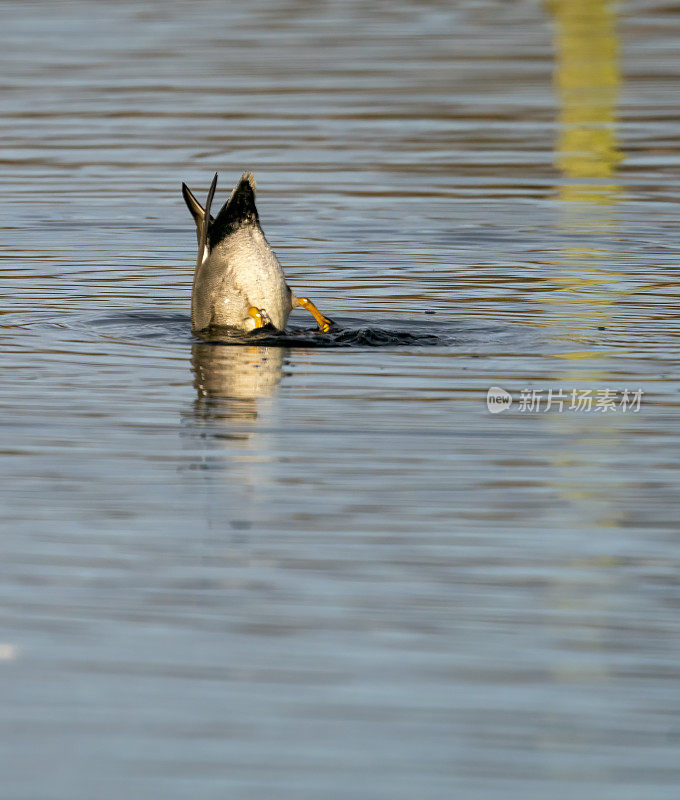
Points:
(278, 568)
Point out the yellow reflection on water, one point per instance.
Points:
(586, 277)
(588, 79)
(587, 284)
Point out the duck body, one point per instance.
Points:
(238, 282)
(241, 272)
(237, 270)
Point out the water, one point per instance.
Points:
(287, 569)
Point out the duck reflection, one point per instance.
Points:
(238, 375)
(232, 383)
(227, 429)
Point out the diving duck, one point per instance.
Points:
(238, 282)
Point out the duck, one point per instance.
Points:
(238, 281)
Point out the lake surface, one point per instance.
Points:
(291, 570)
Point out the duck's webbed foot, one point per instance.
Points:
(260, 316)
(324, 323)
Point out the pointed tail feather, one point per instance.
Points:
(205, 224)
(197, 210)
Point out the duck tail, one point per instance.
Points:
(203, 226)
(238, 210)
